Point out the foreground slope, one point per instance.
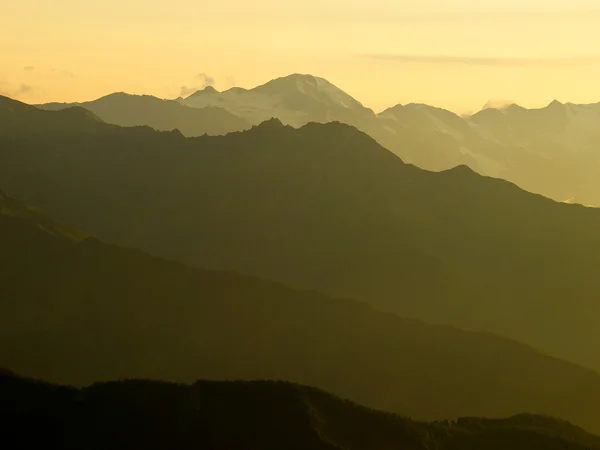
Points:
(74, 310)
(324, 208)
(252, 415)
(136, 110)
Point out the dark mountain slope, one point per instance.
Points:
(77, 310)
(245, 416)
(136, 110)
(12, 209)
(326, 208)
(17, 117)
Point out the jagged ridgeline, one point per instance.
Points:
(246, 416)
(550, 150)
(323, 208)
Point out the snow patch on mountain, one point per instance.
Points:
(295, 100)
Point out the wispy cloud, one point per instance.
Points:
(498, 104)
(230, 81)
(486, 61)
(205, 81)
(24, 89)
(394, 16)
(185, 91)
(8, 91)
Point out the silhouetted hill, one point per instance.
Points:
(326, 208)
(73, 311)
(246, 415)
(136, 110)
(17, 117)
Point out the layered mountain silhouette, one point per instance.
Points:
(74, 310)
(295, 100)
(323, 207)
(551, 151)
(165, 115)
(236, 415)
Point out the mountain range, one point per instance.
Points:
(136, 110)
(551, 151)
(75, 310)
(259, 415)
(325, 208)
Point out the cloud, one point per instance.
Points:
(205, 81)
(185, 91)
(8, 91)
(396, 16)
(230, 80)
(24, 89)
(29, 68)
(497, 104)
(484, 61)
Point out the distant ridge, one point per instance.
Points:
(79, 310)
(164, 115)
(206, 90)
(548, 150)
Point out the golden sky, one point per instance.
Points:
(456, 54)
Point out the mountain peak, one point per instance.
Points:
(461, 169)
(291, 82)
(513, 107)
(555, 104)
(271, 124)
(207, 90)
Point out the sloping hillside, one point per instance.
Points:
(74, 311)
(165, 115)
(245, 416)
(326, 208)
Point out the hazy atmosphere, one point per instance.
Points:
(316, 225)
(455, 54)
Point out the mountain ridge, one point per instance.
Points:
(437, 139)
(79, 311)
(326, 208)
(559, 163)
(129, 110)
